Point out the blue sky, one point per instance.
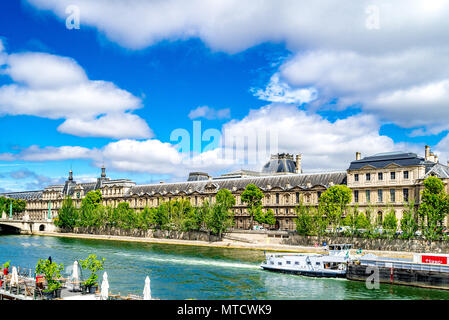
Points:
(317, 92)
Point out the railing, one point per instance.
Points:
(406, 265)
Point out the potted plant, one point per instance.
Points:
(6, 267)
(93, 265)
(51, 272)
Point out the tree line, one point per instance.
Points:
(333, 216)
(177, 214)
(18, 205)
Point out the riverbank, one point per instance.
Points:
(230, 244)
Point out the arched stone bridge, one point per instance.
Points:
(28, 226)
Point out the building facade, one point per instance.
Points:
(381, 182)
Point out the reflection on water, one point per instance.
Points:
(186, 272)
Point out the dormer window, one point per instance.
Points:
(380, 176)
(393, 175)
(356, 177)
(368, 177)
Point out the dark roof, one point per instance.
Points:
(382, 160)
(284, 182)
(279, 165)
(25, 195)
(437, 169)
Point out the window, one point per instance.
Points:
(405, 174)
(368, 196)
(392, 195)
(356, 195)
(380, 195)
(297, 262)
(379, 218)
(319, 195)
(405, 194)
(356, 177)
(393, 175)
(368, 177)
(289, 262)
(380, 176)
(277, 198)
(297, 197)
(280, 263)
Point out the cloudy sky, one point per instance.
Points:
(155, 89)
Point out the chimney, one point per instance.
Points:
(358, 156)
(103, 172)
(298, 164)
(432, 157)
(70, 175)
(427, 153)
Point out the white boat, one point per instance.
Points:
(332, 265)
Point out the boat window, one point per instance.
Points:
(297, 262)
(271, 262)
(317, 263)
(280, 263)
(288, 262)
(331, 247)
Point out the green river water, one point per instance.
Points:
(188, 272)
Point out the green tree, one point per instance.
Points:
(225, 199)
(221, 217)
(160, 216)
(92, 199)
(333, 203)
(68, 215)
(409, 225)
(252, 196)
(270, 219)
(304, 221)
(93, 265)
(89, 204)
(127, 218)
(433, 208)
(144, 219)
(390, 223)
(51, 271)
(362, 222)
(18, 205)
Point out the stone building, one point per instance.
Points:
(382, 181)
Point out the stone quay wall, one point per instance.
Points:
(419, 246)
(157, 234)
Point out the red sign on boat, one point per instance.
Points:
(434, 259)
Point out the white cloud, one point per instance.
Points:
(35, 153)
(56, 87)
(118, 126)
(336, 51)
(209, 113)
(324, 145)
(232, 25)
(281, 92)
(409, 88)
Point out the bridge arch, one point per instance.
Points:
(9, 228)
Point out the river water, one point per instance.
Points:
(187, 272)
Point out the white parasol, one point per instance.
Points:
(105, 287)
(14, 277)
(147, 289)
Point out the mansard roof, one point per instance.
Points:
(437, 169)
(25, 195)
(382, 160)
(285, 182)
